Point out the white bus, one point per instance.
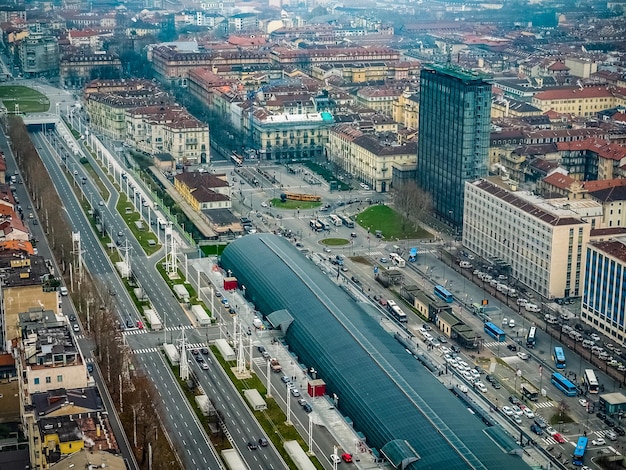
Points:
(591, 381)
(398, 314)
(397, 260)
(335, 220)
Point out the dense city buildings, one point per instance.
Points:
(512, 116)
(453, 142)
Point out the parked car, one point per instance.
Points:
(598, 442)
(536, 429)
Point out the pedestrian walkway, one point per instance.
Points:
(545, 404)
(142, 331)
(145, 350)
(550, 440)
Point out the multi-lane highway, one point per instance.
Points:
(100, 266)
(179, 418)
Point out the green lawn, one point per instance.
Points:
(293, 205)
(384, 218)
(29, 100)
(334, 241)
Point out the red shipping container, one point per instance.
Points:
(230, 283)
(316, 388)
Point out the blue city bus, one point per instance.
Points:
(347, 221)
(564, 385)
(495, 332)
(413, 255)
(559, 357)
(579, 451)
(443, 294)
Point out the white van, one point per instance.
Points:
(63, 290)
(531, 308)
(521, 302)
(465, 264)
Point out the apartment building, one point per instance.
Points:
(173, 66)
(107, 111)
(39, 55)
(76, 69)
(168, 129)
(580, 101)
(592, 159)
(543, 244)
(22, 284)
(603, 303)
(405, 109)
(369, 157)
(379, 99)
(309, 57)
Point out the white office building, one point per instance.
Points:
(543, 243)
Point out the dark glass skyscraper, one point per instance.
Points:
(453, 143)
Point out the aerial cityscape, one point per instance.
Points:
(246, 235)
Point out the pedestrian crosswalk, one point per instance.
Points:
(145, 350)
(544, 404)
(551, 440)
(189, 347)
(137, 331)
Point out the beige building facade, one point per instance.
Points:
(543, 245)
(369, 158)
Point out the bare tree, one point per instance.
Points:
(412, 202)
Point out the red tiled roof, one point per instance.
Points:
(559, 180)
(575, 93)
(602, 148)
(598, 185)
(558, 65)
(600, 232)
(6, 360)
(619, 117)
(613, 248)
(17, 245)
